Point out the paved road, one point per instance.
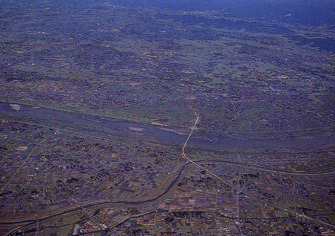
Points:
(160, 134)
(328, 171)
(246, 195)
(93, 204)
(64, 117)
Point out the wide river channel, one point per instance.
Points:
(162, 134)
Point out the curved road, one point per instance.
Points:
(33, 221)
(161, 134)
(43, 113)
(245, 194)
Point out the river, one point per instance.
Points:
(161, 134)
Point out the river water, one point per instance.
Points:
(163, 135)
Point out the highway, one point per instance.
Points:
(328, 171)
(246, 195)
(33, 220)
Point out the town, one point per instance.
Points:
(120, 120)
